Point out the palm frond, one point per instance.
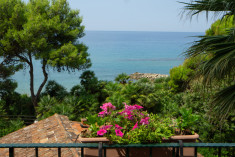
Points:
(224, 102)
(218, 7)
(221, 53)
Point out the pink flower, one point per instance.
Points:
(138, 107)
(130, 117)
(135, 126)
(118, 127)
(144, 121)
(101, 114)
(119, 133)
(129, 114)
(106, 127)
(129, 107)
(101, 132)
(121, 112)
(107, 106)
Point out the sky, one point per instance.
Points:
(137, 15)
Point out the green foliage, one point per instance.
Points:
(21, 105)
(87, 105)
(122, 78)
(161, 80)
(7, 126)
(48, 106)
(223, 8)
(152, 132)
(220, 49)
(187, 121)
(7, 86)
(16, 104)
(143, 92)
(220, 27)
(179, 78)
(181, 75)
(89, 81)
(157, 130)
(117, 99)
(55, 90)
(45, 105)
(76, 90)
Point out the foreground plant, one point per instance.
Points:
(128, 125)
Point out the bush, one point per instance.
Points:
(54, 89)
(179, 78)
(122, 78)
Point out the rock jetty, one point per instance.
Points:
(150, 76)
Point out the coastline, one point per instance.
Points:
(150, 76)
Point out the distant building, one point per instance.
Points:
(55, 129)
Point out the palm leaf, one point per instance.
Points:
(221, 51)
(224, 101)
(218, 7)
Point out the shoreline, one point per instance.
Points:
(150, 76)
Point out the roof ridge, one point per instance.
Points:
(60, 122)
(66, 132)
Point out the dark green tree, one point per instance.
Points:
(7, 85)
(43, 30)
(89, 82)
(55, 90)
(122, 78)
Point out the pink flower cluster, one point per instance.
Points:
(135, 126)
(132, 107)
(131, 112)
(144, 121)
(107, 108)
(119, 133)
(104, 129)
(101, 132)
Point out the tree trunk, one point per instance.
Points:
(44, 81)
(31, 72)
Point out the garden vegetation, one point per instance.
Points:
(202, 87)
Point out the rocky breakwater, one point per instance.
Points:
(150, 76)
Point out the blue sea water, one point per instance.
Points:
(115, 52)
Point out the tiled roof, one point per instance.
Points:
(55, 129)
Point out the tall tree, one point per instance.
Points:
(220, 48)
(44, 30)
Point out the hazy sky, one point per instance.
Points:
(137, 15)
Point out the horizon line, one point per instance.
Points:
(143, 31)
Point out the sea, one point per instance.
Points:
(116, 52)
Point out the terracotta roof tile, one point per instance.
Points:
(54, 129)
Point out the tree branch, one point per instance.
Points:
(25, 59)
(45, 78)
